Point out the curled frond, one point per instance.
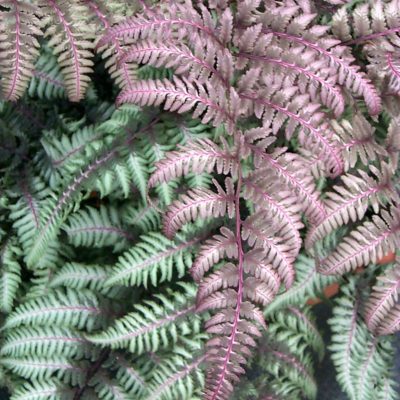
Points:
(199, 203)
(199, 156)
(212, 251)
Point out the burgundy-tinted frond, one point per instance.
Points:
(298, 179)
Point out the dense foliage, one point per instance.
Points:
(179, 178)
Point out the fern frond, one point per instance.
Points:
(180, 95)
(43, 368)
(382, 301)
(122, 73)
(200, 156)
(314, 133)
(374, 26)
(351, 201)
(177, 377)
(10, 277)
(212, 251)
(60, 307)
(308, 284)
(295, 176)
(90, 227)
(47, 81)
(365, 245)
(359, 141)
(42, 341)
(144, 217)
(154, 324)
(199, 203)
(78, 276)
(262, 231)
(70, 39)
(49, 389)
(152, 260)
(19, 27)
(151, 24)
(267, 194)
(349, 75)
(361, 360)
(196, 65)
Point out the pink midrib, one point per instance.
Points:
(163, 321)
(177, 52)
(158, 257)
(269, 242)
(73, 47)
(17, 53)
(121, 30)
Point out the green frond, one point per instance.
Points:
(42, 341)
(143, 217)
(296, 328)
(177, 378)
(10, 275)
(132, 374)
(363, 362)
(153, 324)
(91, 227)
(49, 389)
(107, 388)
(152, 260)
(78, 276)
(68, 308)
(69, 152)
(40, 368)
(47, 81)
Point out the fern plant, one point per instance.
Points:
(178, 179)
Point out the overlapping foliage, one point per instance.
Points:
(250, 146)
